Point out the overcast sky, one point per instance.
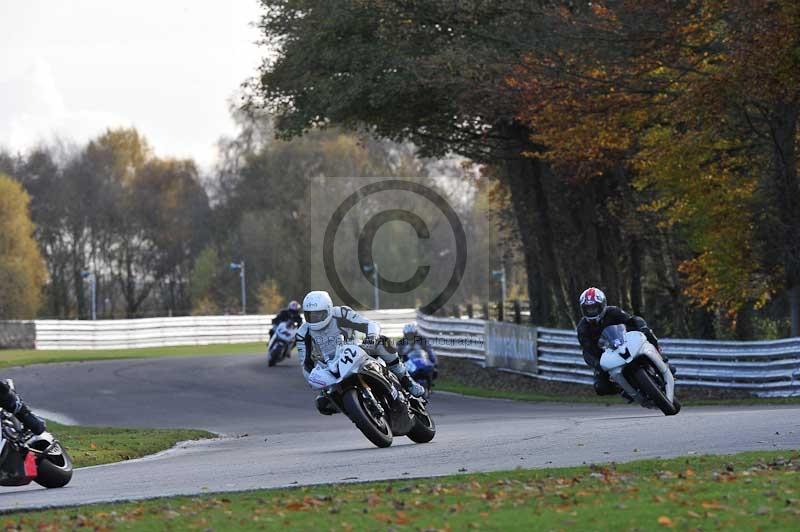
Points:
(168, 67)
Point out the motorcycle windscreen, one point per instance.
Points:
(612, 337)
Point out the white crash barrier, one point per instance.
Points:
(151, 332)
(192, 330)
(766, 368)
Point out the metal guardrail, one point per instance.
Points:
(766, 368)
(192, 330)
(454, 337)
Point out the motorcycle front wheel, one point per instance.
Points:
(376, 429)
(275, 354)
(654, 392)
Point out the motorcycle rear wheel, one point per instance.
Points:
(54, 471)
(424, 427)
(376, 431)
(653, 391)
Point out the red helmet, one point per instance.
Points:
(593, 304)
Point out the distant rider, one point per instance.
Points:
(290, 314)
(411, 341)
(325, 324)
(597, 315)
(11, 402)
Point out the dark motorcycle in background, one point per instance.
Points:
(26, 457)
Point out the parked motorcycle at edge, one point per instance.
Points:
(635, 365)
(364, 389)
(25, 457)
(282, 342)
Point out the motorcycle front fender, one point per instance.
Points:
(617, 376)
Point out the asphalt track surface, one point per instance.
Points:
(275, 438)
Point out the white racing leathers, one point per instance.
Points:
(320, 345)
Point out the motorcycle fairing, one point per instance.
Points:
(635, 345)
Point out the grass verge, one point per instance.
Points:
(475, 391)
(453, 386)
(757, 490)
(90, 446)
(24, 357)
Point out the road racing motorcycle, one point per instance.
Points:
(282, 342)
(26, 457)
(362, 387)
(421, 369)
(636, 366)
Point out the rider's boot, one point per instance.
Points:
(386, 351)
(409, 384)
(325, 406)
(627, 397)
(412, 386)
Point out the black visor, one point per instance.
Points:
(592, 310)
(315, 316)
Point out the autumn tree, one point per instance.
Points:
(22, 270)
(699, 100)
(113, 208)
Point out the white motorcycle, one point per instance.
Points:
(370, 395)
(636, 366)
(282, 342)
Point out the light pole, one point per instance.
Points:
(242, 282)
(93, 284)
(501, 274)
(376, 296)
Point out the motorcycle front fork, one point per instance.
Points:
(372, 402)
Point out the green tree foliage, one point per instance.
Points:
(273, 196)
(439, 73)
(204, 276)
(22, 270)
(270, 300)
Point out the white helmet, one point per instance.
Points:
(317, 309)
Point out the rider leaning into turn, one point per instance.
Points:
(411, 340)
(597, 315)
(11, 402)
(290, 313)
(325, 324)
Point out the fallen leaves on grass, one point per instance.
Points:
(664, 521)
